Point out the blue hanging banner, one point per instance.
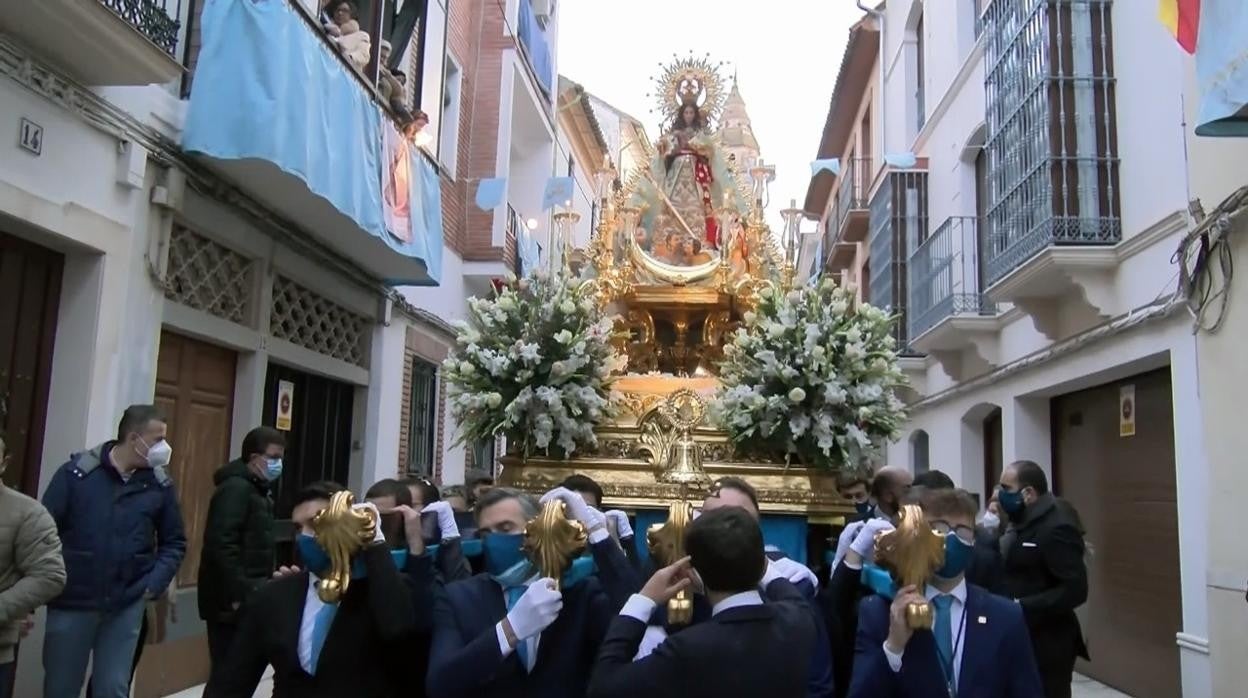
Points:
(490, 193)
(901, 161)
(558, 192)
(832, 165)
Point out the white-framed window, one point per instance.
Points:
(448, 145)
(432, 58)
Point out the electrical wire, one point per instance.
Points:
(1207, 265)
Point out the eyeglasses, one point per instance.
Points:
(966, 533)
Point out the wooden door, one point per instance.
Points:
(993, 453)
(318, 444)
(195, 388)
(30, 289)
(1124, 491)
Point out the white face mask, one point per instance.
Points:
(990, 521)
(158, 454)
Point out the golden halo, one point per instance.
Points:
(693, 78)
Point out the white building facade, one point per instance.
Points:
(1028, 251)
(150, 254)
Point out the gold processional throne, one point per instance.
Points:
(680, 285)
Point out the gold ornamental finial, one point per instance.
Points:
(341, 531)
(911, 553)
(552, 540)
(667, 545)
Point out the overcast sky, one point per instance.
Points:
(786, 54)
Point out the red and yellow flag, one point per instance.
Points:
(1182, 18)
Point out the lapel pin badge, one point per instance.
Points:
(983, 620)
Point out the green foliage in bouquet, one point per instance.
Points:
(811, 373)
(533, 363)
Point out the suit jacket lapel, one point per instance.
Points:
(976, 637)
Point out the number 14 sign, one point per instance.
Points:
(30, 136)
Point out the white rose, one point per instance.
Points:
(568, 307)
(796, 395)
(506, 303)
(775, 330)
(466, 368)
(765, 292)
(793, 297)
(750, 316)
(494, 400)
(563, 337)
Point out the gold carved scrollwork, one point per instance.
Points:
(552, 540)
(341, 531)
(640, 345)
(911, 552)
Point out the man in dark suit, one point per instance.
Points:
(977, 647)
(747, 648)
(1044, 571)
(331, 650)
(510, 633)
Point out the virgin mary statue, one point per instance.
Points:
(683, 190)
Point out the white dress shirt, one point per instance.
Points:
(312, 605)
(957, 628)
(596, 536)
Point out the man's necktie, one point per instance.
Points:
(522, 646)
(942, 630)
(320, 631)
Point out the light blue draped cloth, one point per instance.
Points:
(1222, 68)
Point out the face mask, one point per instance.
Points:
(863, 508)
(273, 468)
(1011, 502)
(158, 454)
(957, 557)
(990, 521)
(313, 556)
(503, 555)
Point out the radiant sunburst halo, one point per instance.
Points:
(691, 79)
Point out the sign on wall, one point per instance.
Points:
(1126, 411)
(285, 404)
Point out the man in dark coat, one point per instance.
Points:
(121, 534)
(238, 552)
(1044, 571)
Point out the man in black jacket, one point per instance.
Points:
(1044, 571)
(322, 650)
(747, 648)
(238, 549)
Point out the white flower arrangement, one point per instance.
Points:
(533, 363)
(812, 373)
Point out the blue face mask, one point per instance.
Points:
(503, 556)
(878, 580)
(957, 557)
(313, 556)
(1011, 502)
(273, 468)
(863, 508)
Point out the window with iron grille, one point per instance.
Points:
(423, 426)
(1052, 142)
(898, 224)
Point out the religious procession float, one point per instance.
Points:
(683, 351)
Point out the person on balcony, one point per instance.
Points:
(354, 43)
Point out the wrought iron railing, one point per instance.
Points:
(898, 221)
(1052, 132)
(851, 195)
(945, 278)
(152, 19)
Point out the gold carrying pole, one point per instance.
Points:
(667, 544)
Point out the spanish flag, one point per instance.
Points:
(1182, 18)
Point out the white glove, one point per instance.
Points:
(592, 518)
(378, 536)
(794, 571)
(864, 544)
(622, 528)
(536, 609)
(446, 519)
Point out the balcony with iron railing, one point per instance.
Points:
(316, 144)
(946, 284)
(852, 197)
(101, 42)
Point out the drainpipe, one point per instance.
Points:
(879, 20)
